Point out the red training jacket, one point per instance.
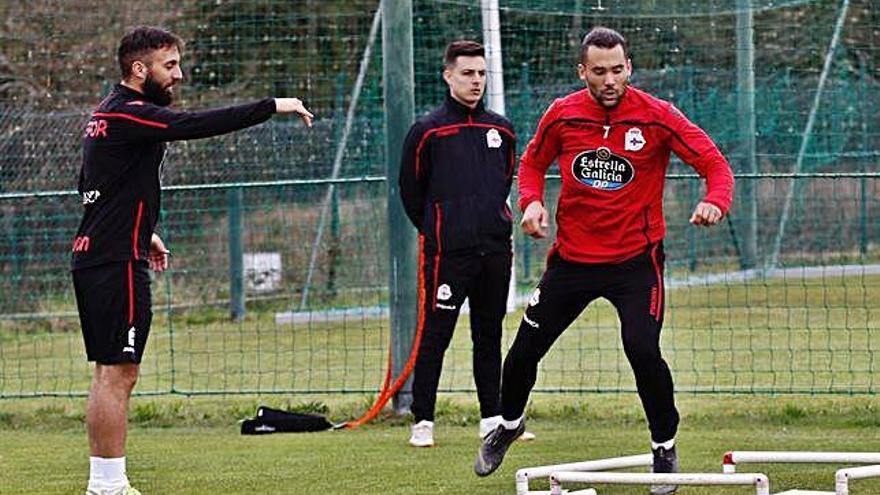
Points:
(613, 164)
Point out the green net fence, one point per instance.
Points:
(781, 298)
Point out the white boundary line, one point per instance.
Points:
(791, 274)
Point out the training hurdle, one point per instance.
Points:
(734, 457)
(758, 480)
(841, 478)
(530, 473)
(804, 492)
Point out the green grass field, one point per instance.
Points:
(777, 335)
(785, 336)
(192, 446)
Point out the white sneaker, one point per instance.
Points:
(422, 434)
(488, 425)
(126, 490)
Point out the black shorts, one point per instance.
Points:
(114, 310)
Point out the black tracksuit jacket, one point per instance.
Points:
(455, 177)
(123, 147)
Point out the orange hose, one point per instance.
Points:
(388, 392)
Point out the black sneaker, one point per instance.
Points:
(665, 461)
(494, 447)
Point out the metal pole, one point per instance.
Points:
(693, 195)
(495, 94)
(863, 184)
(577, 23)
(340, 152)
(808, 131)
(745, 78)
(15, 246)
(334, 249)
(523, 106)
(492, 42)
(236, 256)
(398, 76)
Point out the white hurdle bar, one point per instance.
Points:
(524, 475)
(758, 480)
(843, 476)
(805, 492)
(734, 457)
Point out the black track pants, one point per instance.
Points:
(635, 288)
(446, 281)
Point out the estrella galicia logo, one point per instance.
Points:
(602, 169)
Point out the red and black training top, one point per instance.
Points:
(613, 165)
(123, 148)
(455, 176)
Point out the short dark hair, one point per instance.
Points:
(603, 37)
(141, 41)
(462, 48)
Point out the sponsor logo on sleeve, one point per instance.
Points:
(602, 169)
(90, 197)
(96, 129)
(81, 244)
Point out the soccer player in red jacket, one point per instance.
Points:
(612, 143)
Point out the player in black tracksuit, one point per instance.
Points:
(123, 148)
(455, 177)
(115, 244)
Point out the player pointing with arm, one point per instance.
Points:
(613, 144)
(115, 245)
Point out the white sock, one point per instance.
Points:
(666, 445)
(512, 425)
(107, 473)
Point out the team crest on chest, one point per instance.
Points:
(493, 138)
(634, 140)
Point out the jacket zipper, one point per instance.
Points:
(607, 125)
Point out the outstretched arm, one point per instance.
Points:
(145, 121)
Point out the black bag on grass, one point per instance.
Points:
(270, 420)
